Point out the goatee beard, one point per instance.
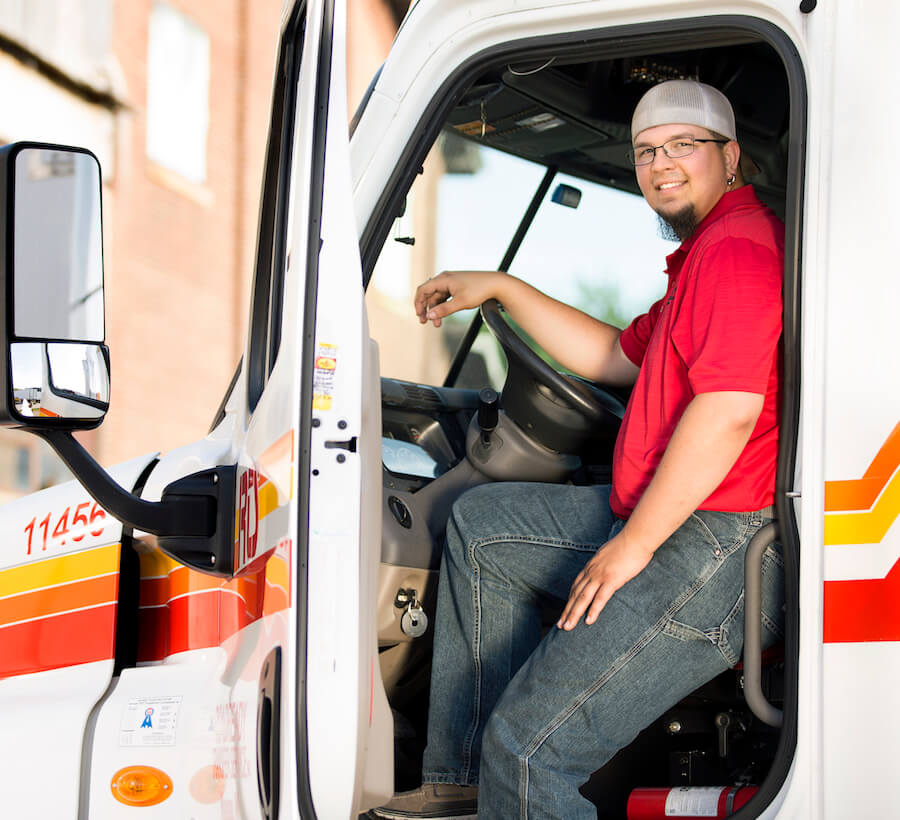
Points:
(677, 227)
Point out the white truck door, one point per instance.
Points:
(271, 678)
(322, 382)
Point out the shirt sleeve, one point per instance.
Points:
(730, 316)
(635, 338)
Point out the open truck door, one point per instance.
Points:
(238, 674)
(307, 470)
(336, 723)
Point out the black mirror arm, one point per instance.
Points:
(190, 514)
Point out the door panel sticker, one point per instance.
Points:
(151, 721)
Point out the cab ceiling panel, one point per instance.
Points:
(577, 116)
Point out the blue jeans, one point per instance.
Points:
(529, 719)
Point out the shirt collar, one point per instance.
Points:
(728, 202)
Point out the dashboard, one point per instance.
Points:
(423, 428)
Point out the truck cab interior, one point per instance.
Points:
(523, 167)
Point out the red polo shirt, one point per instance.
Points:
(716, 329)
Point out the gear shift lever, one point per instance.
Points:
(488, 411)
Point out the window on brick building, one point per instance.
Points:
(177, 93)
(73, 35)
(27, 464)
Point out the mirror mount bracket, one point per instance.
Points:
(194, 521)
(211, 552)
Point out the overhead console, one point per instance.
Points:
(576, 114)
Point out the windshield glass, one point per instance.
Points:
(604, 257)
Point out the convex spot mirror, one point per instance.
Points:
(55, 367)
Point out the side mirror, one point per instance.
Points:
(54, 366)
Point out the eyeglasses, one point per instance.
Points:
(674, 149)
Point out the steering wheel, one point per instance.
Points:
(560, 411)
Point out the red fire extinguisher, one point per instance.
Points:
(688, 802)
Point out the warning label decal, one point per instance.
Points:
(323, 376)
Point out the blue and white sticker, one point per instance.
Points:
(151, 721)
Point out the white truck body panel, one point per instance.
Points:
(46, 701)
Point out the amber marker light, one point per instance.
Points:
(140, 786)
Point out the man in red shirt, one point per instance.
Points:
(655, 607)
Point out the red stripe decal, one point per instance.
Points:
(868, 610)
(185, 609)
(195, 621)
(62, 640)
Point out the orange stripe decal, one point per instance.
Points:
(867, 526)
(54, 600)
(860, 493)
(181, 609)
(59, 611)
(186, 609)
(862, 511)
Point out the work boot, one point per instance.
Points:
(436, 801)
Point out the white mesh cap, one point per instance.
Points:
(684, 101)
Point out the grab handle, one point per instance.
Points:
(753, 692)
(268, 722)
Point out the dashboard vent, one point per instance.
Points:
(421, 396)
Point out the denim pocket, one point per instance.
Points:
(708, 553)
(727, 531)
(699, 618)
(727, 636)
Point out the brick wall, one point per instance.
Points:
(178, 254)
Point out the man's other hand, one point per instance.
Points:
(613, 566)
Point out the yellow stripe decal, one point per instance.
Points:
(63, 569)
(268, 499)
(277, 572)
(867, 527)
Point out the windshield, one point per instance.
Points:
(605, 256)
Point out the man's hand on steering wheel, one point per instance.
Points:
(451, 291)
